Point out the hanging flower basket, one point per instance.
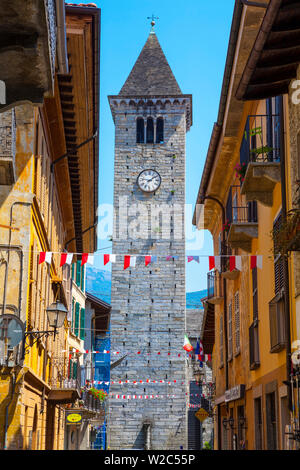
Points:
(226, 226)
(240, 171)
(287, 237)
(100, 395)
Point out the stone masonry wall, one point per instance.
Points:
(148, 303)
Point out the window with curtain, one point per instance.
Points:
(140, 131)
(150, 131)
(159, 130)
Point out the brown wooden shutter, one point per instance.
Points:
(221, 342)
(230, 331)
(237, 322)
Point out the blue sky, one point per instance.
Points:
(194, 36)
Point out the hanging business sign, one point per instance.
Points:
(73, 418)
(235, 393)
(202, 414)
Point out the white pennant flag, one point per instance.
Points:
(48, 257)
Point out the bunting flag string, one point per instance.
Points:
(143, 397)
(142, 382)
(201, 356)
(235, 262)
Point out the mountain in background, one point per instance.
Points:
(193, 299)
(98, 283)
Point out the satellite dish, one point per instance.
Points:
(11, 330)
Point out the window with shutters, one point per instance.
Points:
(277, 324)
(82, 323)
(237, 323)
(253, 330)
(221, 342)
(230, 331)
(77, 314)
(254, 294)
(73, 315)
(78, 273)
(278, 260)
(254, 346)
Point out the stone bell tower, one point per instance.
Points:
(151, 117)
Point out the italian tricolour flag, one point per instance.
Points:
(187, 345)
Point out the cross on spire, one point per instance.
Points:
(152, 18)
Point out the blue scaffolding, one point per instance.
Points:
(102, 374)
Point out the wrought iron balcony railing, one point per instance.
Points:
(261, 141)
(237, 211)
(214, 287)
(65, 380)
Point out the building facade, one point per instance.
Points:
(43, 209)
(251, 291)
(151, 117)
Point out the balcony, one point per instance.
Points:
(65, 381)
(214, 288)
(7, 148)
(260, 156)
(242, 219)
(92, 407)
(27, 51)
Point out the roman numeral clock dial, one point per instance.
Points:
(149, 181)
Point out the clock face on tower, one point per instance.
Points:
(149, 181)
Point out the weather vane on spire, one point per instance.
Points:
(152, 18)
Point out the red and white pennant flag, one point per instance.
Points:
(45, 256)
(214, 262)
(235, 262)
(109, 259)
(129, 262)
(66, 258)
(87, 258)
(256, 262)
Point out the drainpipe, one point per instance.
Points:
(285, 259)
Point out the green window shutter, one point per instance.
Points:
(73, 313)
(82, 323)
(78, 273)
(73, 271)
(82, 277)
(77, 309)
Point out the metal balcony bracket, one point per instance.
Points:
(260, 181)
(37, 337)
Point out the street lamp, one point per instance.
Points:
(56, 314)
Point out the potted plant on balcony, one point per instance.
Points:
(240, 171)
(100, 395)
(226, 226)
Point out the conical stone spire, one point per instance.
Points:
(151, 74)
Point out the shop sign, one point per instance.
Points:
(202, 414)
(235, 393)
(74, 418)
